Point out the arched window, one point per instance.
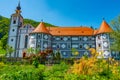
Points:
(26, 41)
(14, 22)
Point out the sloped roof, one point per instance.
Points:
(41, 28)
(104, 28)
(95, 32)
(71, 31)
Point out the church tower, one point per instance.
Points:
(15, 24)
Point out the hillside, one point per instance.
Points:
(4, 27)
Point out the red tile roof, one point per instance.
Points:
(95, 32)
(71, 31)
(104, 28)
(41, 28)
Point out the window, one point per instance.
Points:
(69, 38)
(86, 46)
(58, 46)
(69, 45)
(14, 21)
(57, 38)
(63, 45)
(90, 46)
(85, 38)
(38, 46)
(90, 38)
(61, 38)
(20, 24)
(75, 46)
(38, 36)
(26, 41)
(80, 39)
(64, 54)
(46, 37)
(99, 45)
(75, 38)
(45, 45)
(82, 31)
(81, 46)
(93, 38)
(99, 37)
(12, 40)
(65, 38)
(13, 30)
(93, 45)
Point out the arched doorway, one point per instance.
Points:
(24, 54)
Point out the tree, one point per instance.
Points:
(58, 56)
(10, 50)
(2, 51)
(116, 34)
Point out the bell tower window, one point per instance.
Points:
(14, 22)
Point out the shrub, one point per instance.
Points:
(56, 72)
(22, 72)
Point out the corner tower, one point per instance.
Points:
(103, 40)
(15, 23)
(40, 38)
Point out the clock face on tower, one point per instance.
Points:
(105, 44)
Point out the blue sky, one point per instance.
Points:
(65, 12)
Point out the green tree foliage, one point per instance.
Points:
(35, 23)
(9, 49)
(116, 33)
(2, 51)
(4, 28)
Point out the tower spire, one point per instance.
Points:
(18, 8)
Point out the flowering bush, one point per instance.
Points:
(93, 66)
